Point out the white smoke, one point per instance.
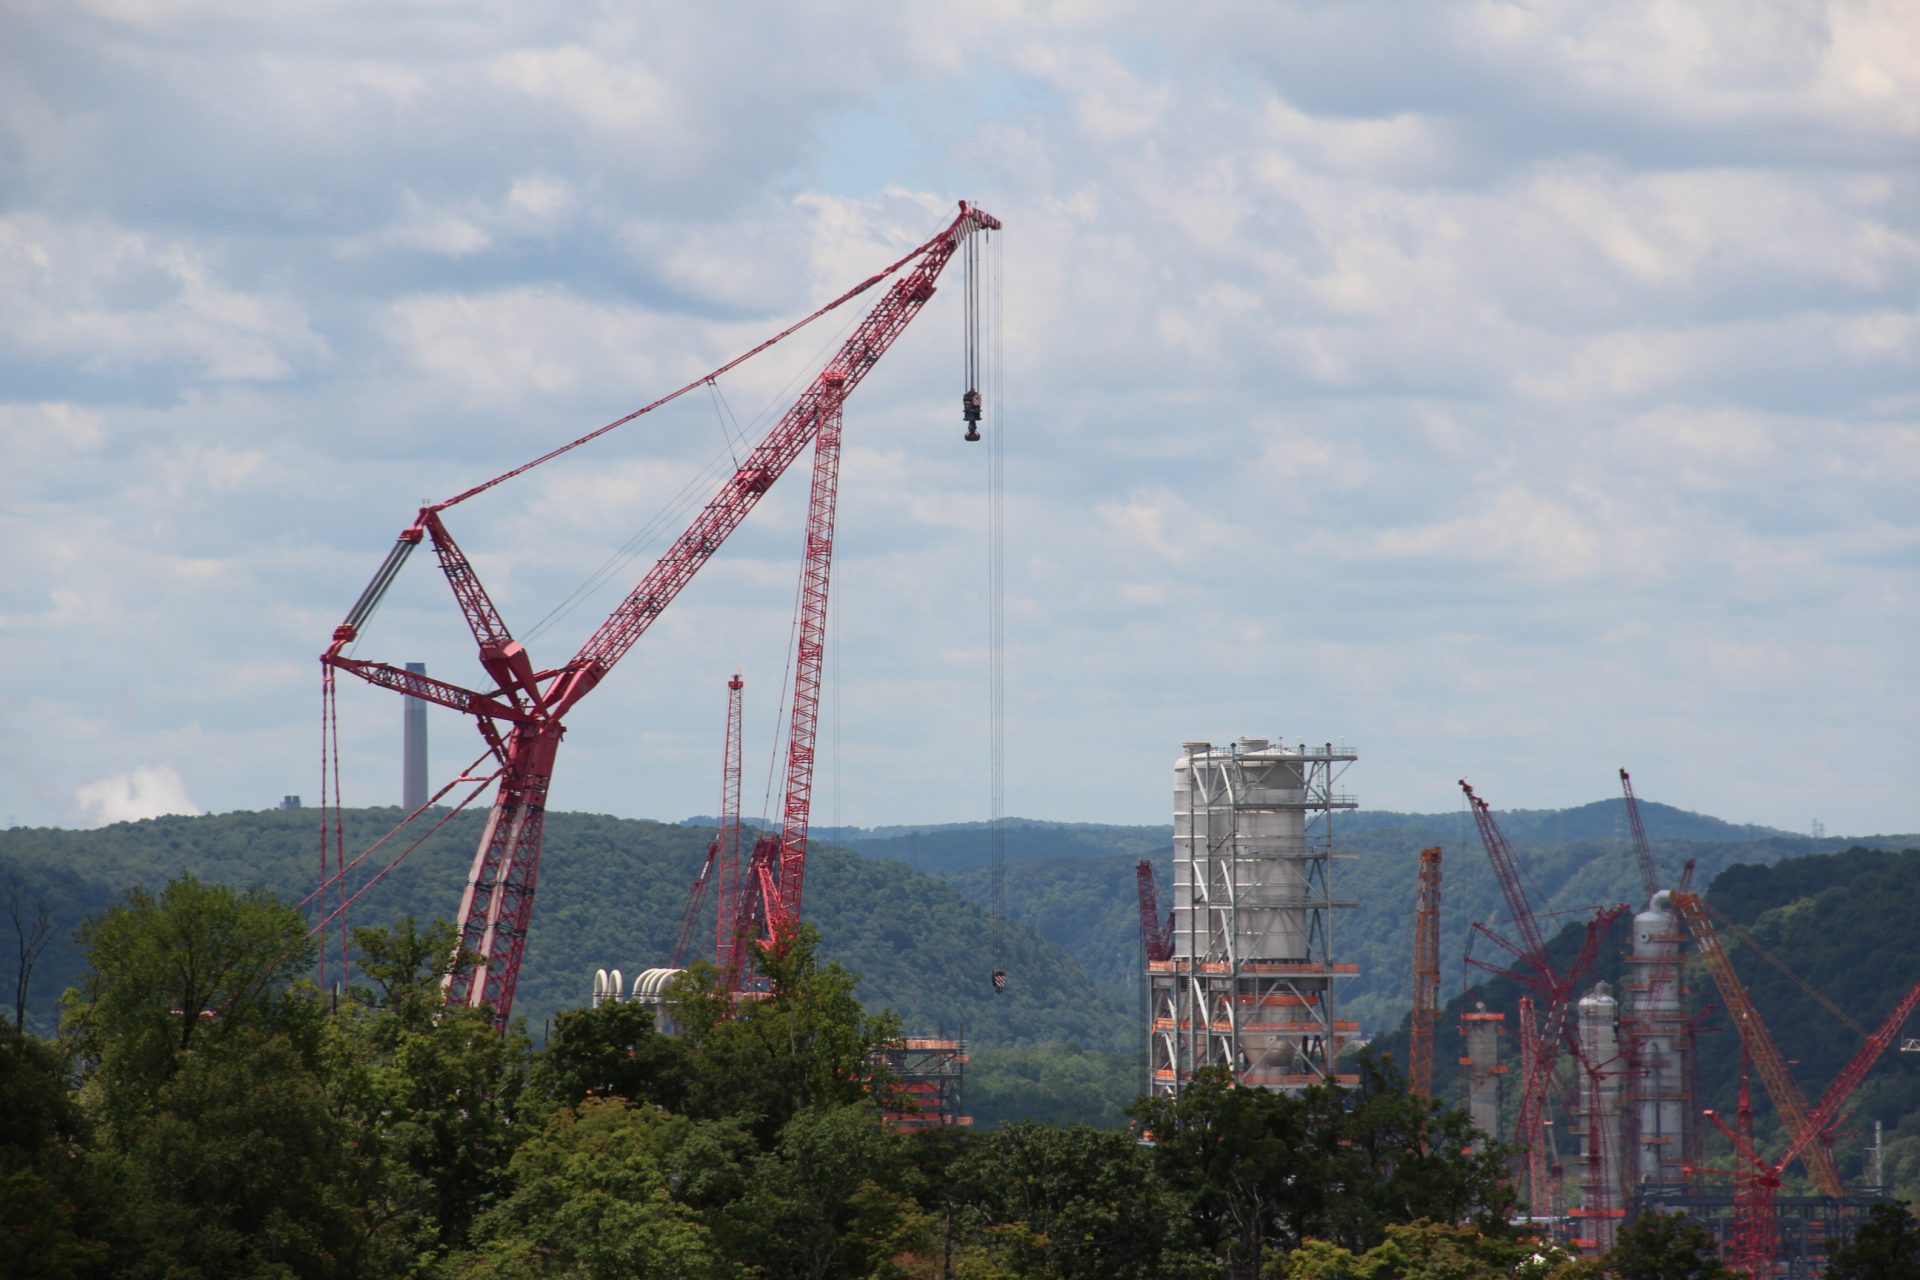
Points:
(146, 792)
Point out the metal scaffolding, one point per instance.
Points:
(1810, 1227)
(1250, 982)
(932, 1073)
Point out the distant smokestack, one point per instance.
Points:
(413, 769)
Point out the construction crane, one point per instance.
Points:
(723, 851)
(1536, 972)
(1755, 1037)
(1642, 848)
(1156, 936)
(1757, 1181)
(727, 855)
(769, 904)
(1426, 975)
(522, 717)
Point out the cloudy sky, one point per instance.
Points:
(1510, 391)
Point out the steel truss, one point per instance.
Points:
(1250, 982)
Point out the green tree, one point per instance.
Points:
(1885, 1246)
(198, 965)
(1430, 1251)
(809, 1043)
(829, 1200)
(236, 1170)
(594, 1196)
(47, 1218)
(1665, 1246)
(1399, 1158)
(1254, 1176)
(1265, 1171)
(613, 1051)
(1083, 1203)
(428, 1096)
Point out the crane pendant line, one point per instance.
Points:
(497, 902)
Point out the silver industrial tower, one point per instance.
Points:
(413, 747)
(1250, 983)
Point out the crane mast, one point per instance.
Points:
(724, 848)
(497, 902)
(1156, 936)
(1556, 1030)
(728, 837)
(1642, 848)
(1755, 1038)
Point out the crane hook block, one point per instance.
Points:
(999, 981)
(970, 413)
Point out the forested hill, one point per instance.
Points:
(1063, 1043)
(963, 846)
(1073, 884)
(1842, 923)
(611, 894)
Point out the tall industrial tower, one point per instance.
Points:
(413, 748)
(1658, 1037)
(1250, 981)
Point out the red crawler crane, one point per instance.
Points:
(1536, 972)
(1756, 1239)
(1426, 975)
(1755, 1037)
(522, 717)
(1155, 936)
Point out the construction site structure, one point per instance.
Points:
(1597, 1120)
(1656, 1029)
(1480, 1033)
(1250, 981)
(930, 1074)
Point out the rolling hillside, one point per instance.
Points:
(611, 893)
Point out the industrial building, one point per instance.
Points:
(1249, 979)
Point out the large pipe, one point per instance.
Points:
(413, 748)
(1481, 1032)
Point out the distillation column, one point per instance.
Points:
(1480, 1031)
(1598, 1073)
(1656, 1034)
(1250, 983)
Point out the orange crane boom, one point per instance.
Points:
(1766, 1055)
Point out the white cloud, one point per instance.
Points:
(1434, 377)
(147, 791)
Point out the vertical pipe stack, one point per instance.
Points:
(413, 745)
(1599, 1075)
(1481, 1033)
(1656, 1032)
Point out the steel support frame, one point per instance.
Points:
(1270, 1020)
